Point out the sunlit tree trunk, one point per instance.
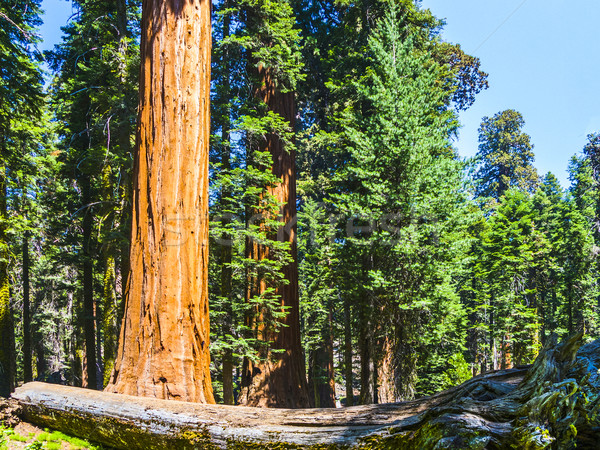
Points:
(109, 313)
(164, 341)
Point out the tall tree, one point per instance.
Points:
(505, 156)
(164, 342)
(20, 100)
(510, 244)
(94, 97)
(278, 378)
(400, 189)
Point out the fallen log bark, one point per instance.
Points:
(552, 404)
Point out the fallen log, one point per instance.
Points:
(552, 404)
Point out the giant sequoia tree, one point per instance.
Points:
(163, 348)
(276, 377)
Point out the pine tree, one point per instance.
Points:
(505, 156)
(510, 244)
(95, 94)
(20, 100)
(396, 188)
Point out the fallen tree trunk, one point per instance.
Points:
(552, 404)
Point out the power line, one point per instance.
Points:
(500, 26)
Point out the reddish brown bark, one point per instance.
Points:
(280, 379)
(164, 342)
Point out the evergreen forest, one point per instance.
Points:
(352, 256)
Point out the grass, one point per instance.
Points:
(18, 437)
(46, 440)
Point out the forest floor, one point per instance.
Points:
(29, 437)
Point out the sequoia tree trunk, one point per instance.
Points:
(279, 380)
(164, 341)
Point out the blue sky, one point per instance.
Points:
(542, 57)
(57, 12)
(542, 60)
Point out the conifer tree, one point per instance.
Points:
(337, 55)
(399, 179)
(95, 95)
(263, 37)
(505, 156)
(20, 102)
(510, 243)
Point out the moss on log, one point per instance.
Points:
(553, 404)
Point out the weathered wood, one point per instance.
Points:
(9, 412)
(553, 404)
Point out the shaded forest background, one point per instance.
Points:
(417, 269)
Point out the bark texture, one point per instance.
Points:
(553, 404)
(280, 379)
(164, 342)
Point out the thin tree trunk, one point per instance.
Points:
(89, 312)
(387, 387)
(367, 396)
(6, 322)
(164, 341)
(226, 250)
(124, 140)
(570, 326)
(348, 375)
(27, 365)
(109, 317)
(321, 381)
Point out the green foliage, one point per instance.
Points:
(426, 282)
(458, 371)
(94, 95)
(467, 78)
(509, 247)
(505, 156)
(256, 44)
(400, 192)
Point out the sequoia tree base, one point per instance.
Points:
(552, 404)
